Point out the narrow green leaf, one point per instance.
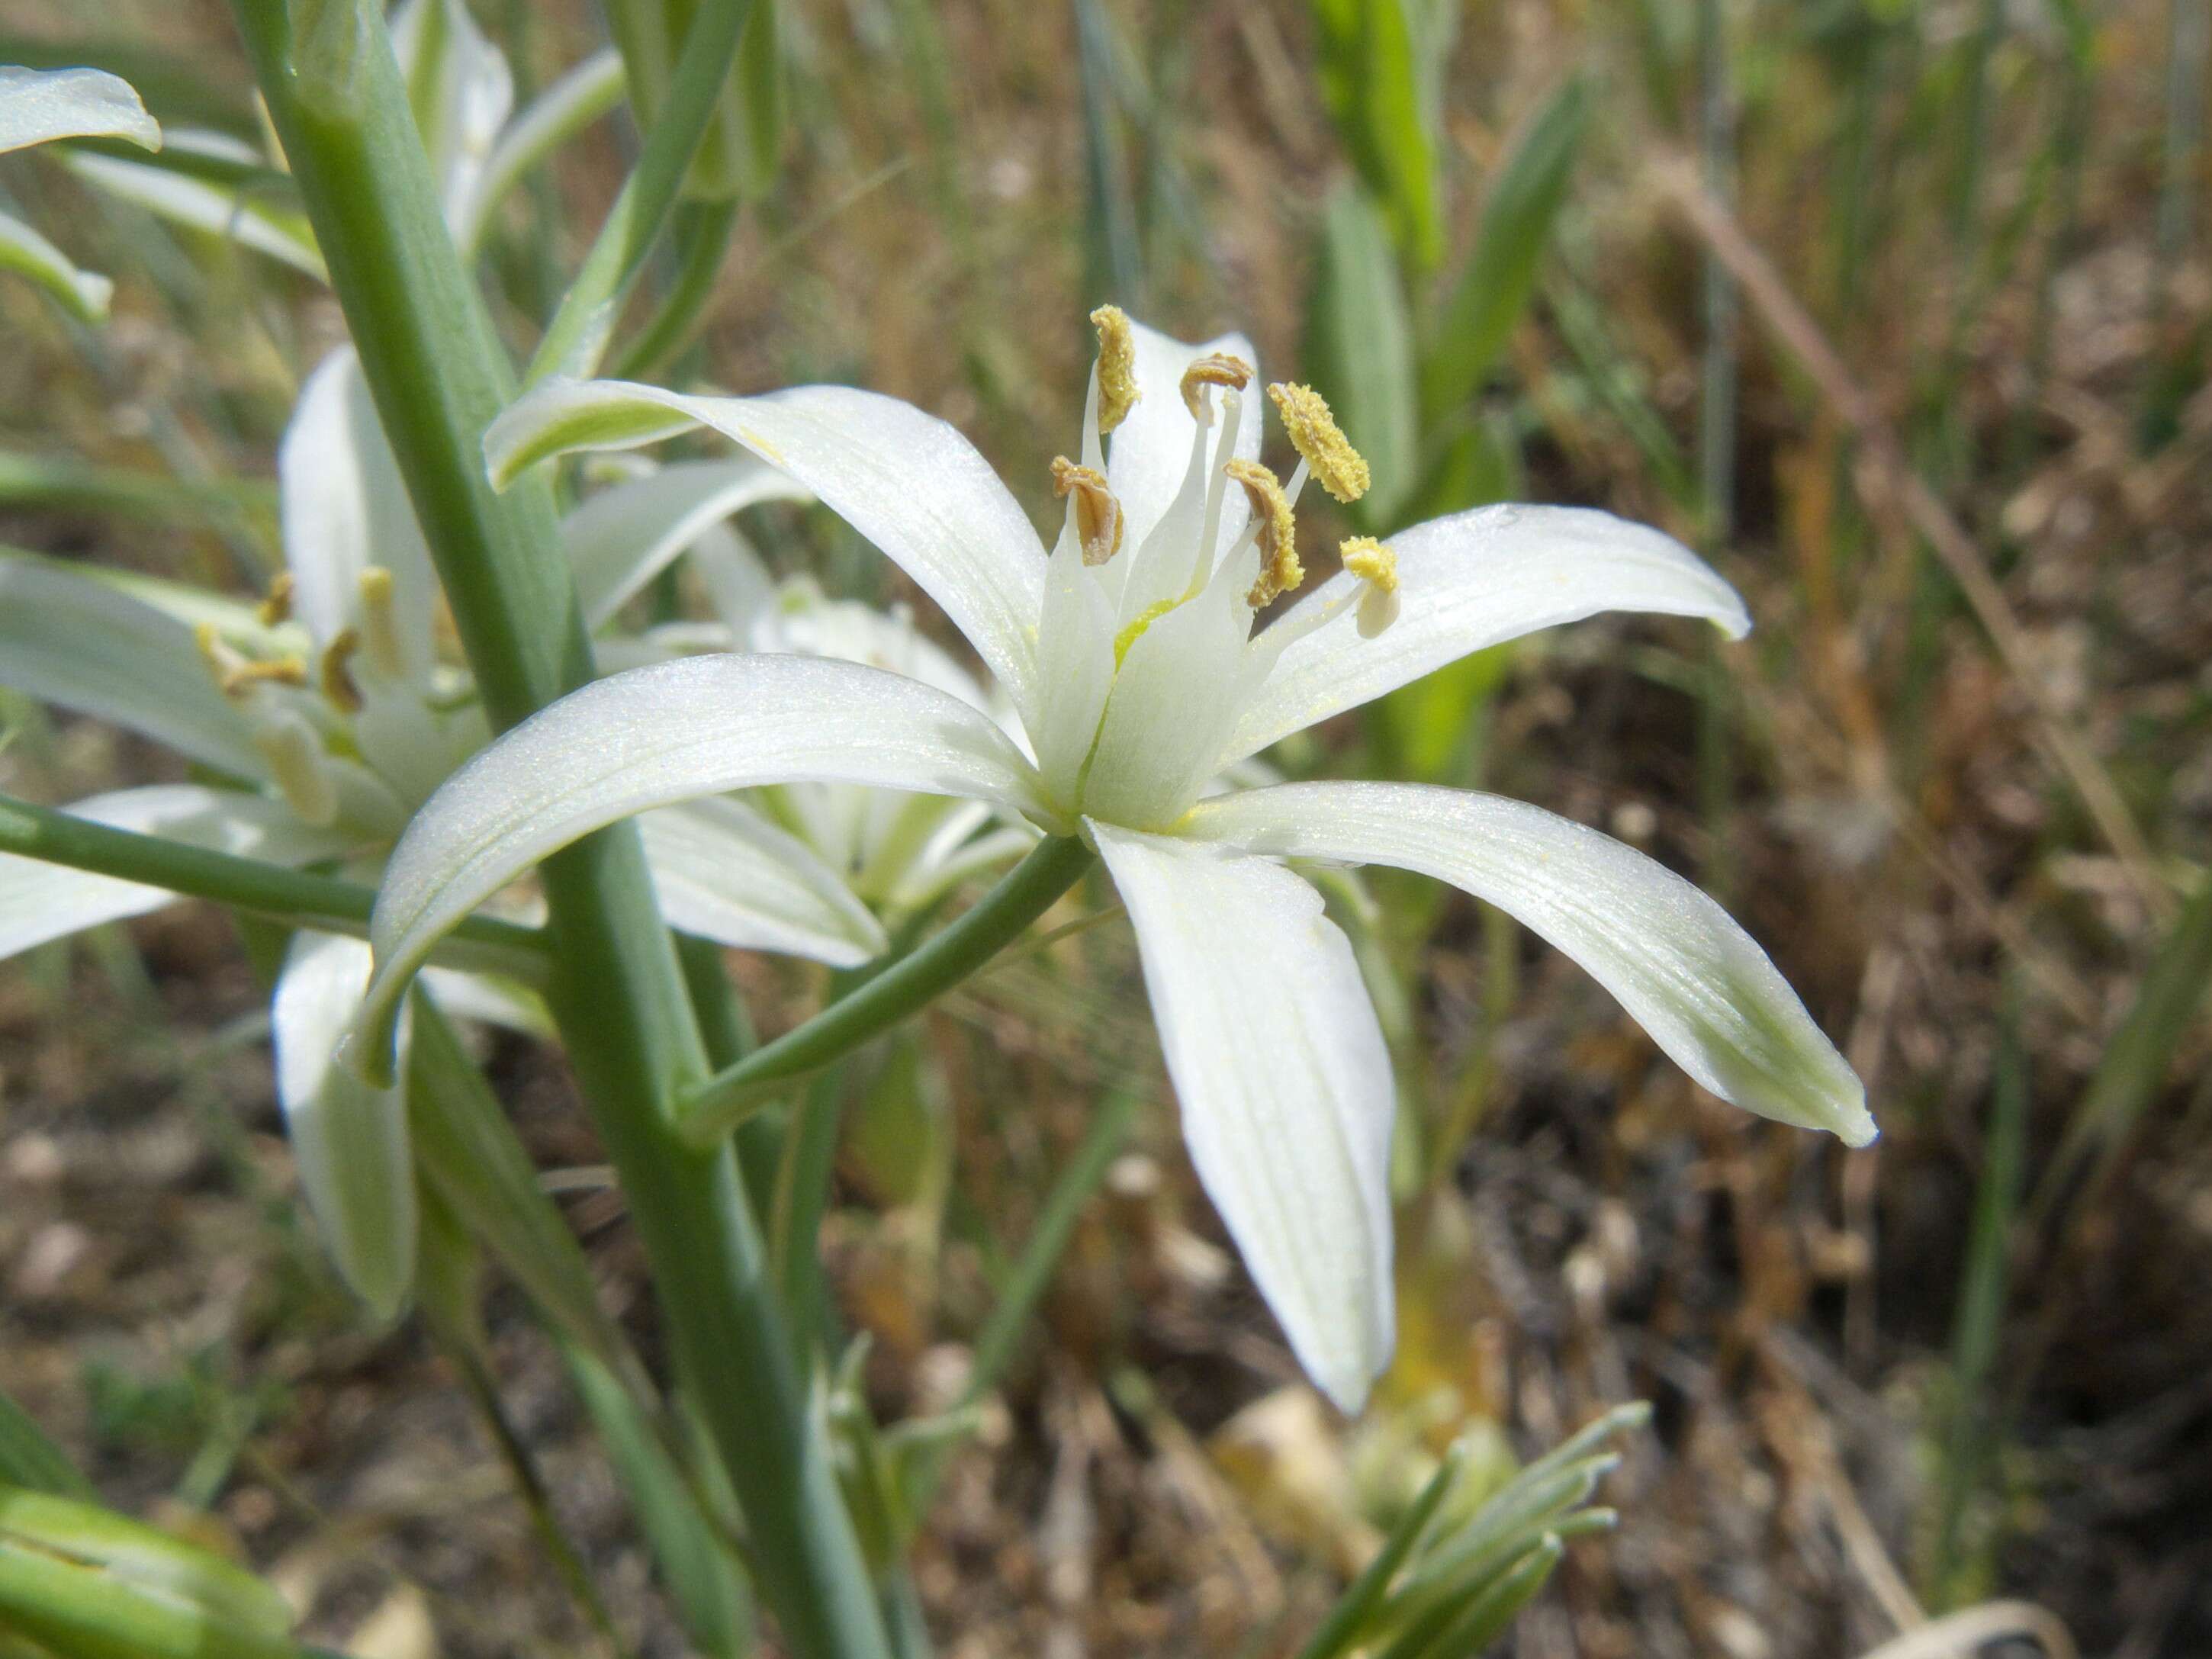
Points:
(1493, 289)
(137, 1561)
(83, 294)
(709, 1590)
(1363, 349)
(1374, 87)
(28, 1459)
(469, 1153)
(2140, 1052)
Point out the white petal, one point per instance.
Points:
(622, 537)
(492, 998)
(1075, 644)
(40, 902)
(37, 105)
(1477, 579)
(348, 1139)
(239, 213)
(1147, 455)
(83, 294)
(1172, 707)
(345, 509)
(77, 642)
(652, 737)
(462, 91)
(1285, 1083)
(724, 872)
(1693, 978)
(906, 481)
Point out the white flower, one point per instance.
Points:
(898, 852)
(36, 107)
(334, 713)
(1130, 655)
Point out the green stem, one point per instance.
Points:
(267, 890)
(905, 987)
(435, 370)
(703, 233)
(577, 336)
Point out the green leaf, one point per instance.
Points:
(711, 1595)
(84, 1580)
(1363, 349)
(83, 294)
(1373, 82)
(1493, 289)
(469, 1153)
(28, 1459)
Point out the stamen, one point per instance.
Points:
(1278, 532)
(1219, 369)
(1371, 561)
(277, 606)
(379, 624)
(236, 674)
(1118, 391)
(336, 676)
(1217, 488)
(296, 763)
(1377, 567)
(1098, 522)
(1341, 469)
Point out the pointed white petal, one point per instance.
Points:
(348, 1139)
(1075, 643)
(40, 902)
(1172, 709)
(492, 998)
(724, 872)
(1473, 579)
(83, 294)
(239, 213)
(558, 113)
(37, 105)
(651, 737)
(462, 91)
(74, 640)
(1285, 1088)
(622, 537)
(345, 509)
(1148, 454)
(1690, 977)
(906, 481)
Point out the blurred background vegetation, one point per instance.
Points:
(1899, 310)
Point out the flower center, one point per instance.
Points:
(353, 735)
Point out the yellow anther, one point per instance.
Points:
(1135, 631)
(236, 674)
(1118, 391)
(336, 676)
(380, 623)
(1097, 514)
(1341, 469)
(1280, 569)
(277, 606)
(1377, 567)
(1219, 369)
(1371, 561)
